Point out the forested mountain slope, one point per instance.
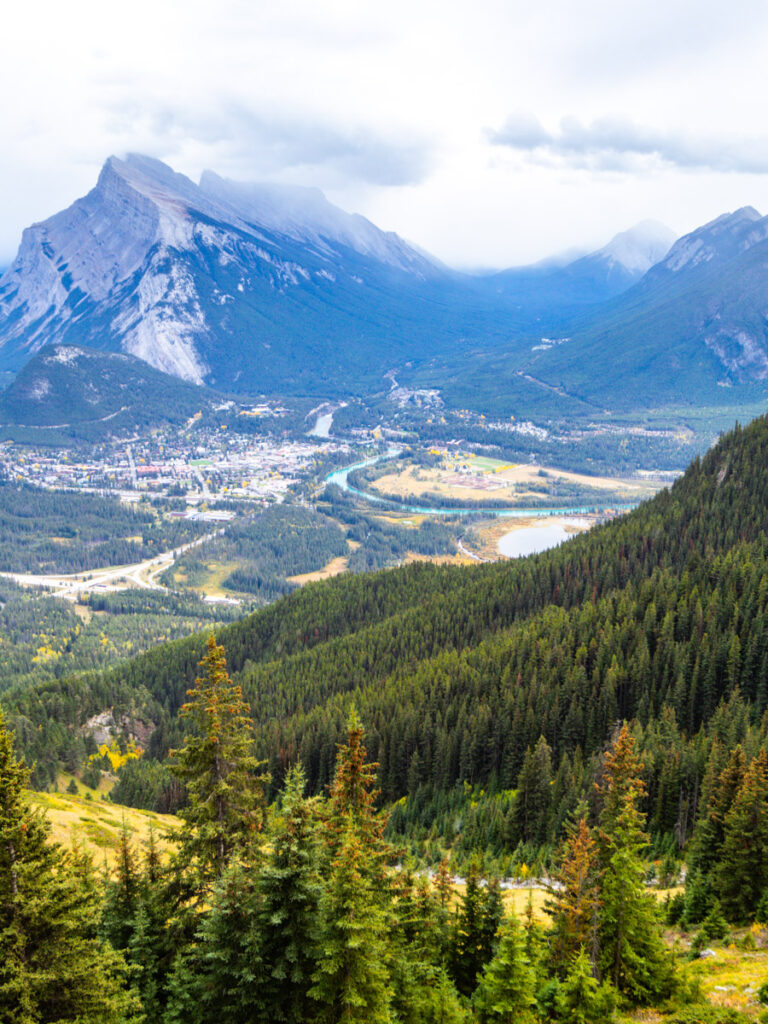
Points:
(659, 616)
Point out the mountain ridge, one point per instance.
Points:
(247, 287)
(79, 392)
(258, 288)
(701, 313)
(133, 265)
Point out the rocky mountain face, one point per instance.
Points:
(697, 323)
(217, 283)
(263, 287)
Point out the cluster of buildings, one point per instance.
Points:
(197, 465)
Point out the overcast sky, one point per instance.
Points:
(490, 132)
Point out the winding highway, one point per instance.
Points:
(142, 575)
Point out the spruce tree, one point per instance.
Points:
(423, 992)
(121, 897)
(353, 792)
(225, 787)
(217, 979)
(289, 887)
(741, 876)
(444, 891)
(532, 806)
(574, 899)
(581, 999)
(505, 991)
(492, 913)
(156, 936)
(352, 980)
(720, 792)
(468, 955)
(53, 968)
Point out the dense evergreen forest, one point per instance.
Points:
(43, 637)
(263, 548)
(378, 542)
(68, 531)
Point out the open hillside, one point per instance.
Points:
(97, 827)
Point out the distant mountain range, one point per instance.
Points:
(694, 328)
(590, 279)
(242, 287)
(259, 288)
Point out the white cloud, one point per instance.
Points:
(615, 143)
(386, 108)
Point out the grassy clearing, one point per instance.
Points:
(480, 479)
(208, 579)
(733, 975)
(333, 568)
(97, 825)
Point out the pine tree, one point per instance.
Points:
(632, 953)
(225, 812)
(492, 913)
(467, 956)
(216, 981)
(352, 981)
(53, 968)
(444, 891)
(423, 993)
(154, 940)
(720, 793)
(699, 897)
(353, 792)
(532, 806)
(505, 991)
(121, 897)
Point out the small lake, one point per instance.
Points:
(530, 540)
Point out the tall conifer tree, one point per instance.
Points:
(290, 889)
(741, 875)
(575, 898)
(352, 981)
(505, 992)
(225, 812)
(632, 953)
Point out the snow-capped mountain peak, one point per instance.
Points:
(306, 215)
(639, 248)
